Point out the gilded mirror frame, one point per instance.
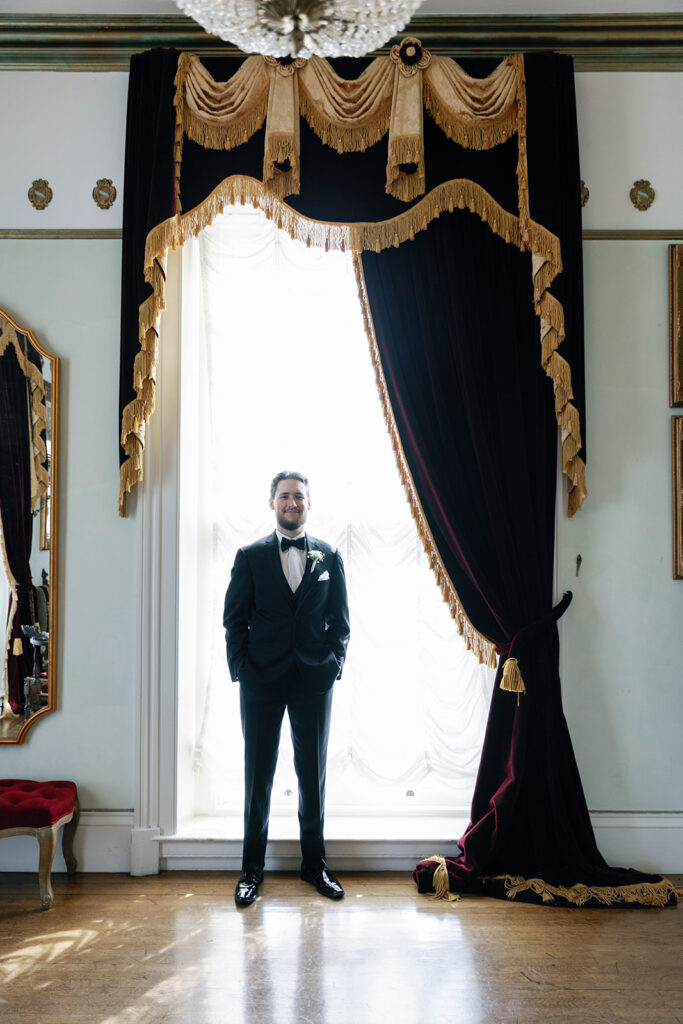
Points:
(14, 727)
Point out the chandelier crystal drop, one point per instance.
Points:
(302, 28)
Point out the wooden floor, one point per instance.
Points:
(173, 948)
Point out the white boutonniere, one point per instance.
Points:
(315, 557)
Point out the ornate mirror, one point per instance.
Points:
(29, 381)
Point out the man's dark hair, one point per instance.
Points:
(286, 475)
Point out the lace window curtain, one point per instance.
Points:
(276, 374)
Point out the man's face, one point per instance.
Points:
(291, 505)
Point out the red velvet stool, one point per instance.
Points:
(40, 809)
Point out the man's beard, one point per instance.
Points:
(294, 522)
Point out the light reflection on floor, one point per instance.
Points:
(177, 951)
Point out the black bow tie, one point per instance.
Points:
(300, 543)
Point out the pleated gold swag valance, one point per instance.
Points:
(388, 96)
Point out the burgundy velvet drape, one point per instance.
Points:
(16, 452)
(458, 338)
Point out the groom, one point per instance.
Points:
(286, 624)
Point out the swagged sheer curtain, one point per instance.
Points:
(288, 383)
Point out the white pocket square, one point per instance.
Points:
(323, 576)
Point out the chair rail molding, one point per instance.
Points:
(597, 42)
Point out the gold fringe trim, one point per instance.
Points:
(281, 147)
(216, 135)
(407, 149)
(441, 881)
(467, 132)
(37, 410)
(359, 132)
(546, 265)
(482, 648)
(512, 678)
(648, 894)
(344, 138)
(179, 128)
(517, 62)
(459, 193)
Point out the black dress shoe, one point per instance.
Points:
(324, 881)
(246, 889)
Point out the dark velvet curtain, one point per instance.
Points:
(148, 190)
(460, 347)
(16, 452)
(458, 338)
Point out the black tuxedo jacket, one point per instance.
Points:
(269, 630)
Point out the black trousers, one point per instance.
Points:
(262, 711)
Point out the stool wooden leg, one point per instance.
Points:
(47, 840)
(68, 839)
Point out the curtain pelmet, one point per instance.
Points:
(479, 113)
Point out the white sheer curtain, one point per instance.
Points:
(277, 375)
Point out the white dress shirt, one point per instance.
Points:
(293, 560)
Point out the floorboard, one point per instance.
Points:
(174, 948)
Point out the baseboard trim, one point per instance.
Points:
(647, 841)
(102, 843)
(181, 854)
(106, 841)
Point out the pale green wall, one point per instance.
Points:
(68, 293)
(622, 637)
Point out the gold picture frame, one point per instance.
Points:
(675, 326)
(677, 494)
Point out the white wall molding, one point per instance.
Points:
(106, 841)
(179, 853)
(646, 841)
(102, 843)
(157, 513)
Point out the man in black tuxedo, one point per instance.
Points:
(286, 624)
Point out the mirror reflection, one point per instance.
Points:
(28, 557)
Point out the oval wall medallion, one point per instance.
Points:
(40, 194)
(104, 193)
(642, 194)
(585, 194)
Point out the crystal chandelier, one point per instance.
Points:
(301, 28)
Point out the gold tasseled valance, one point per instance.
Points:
(388, 96)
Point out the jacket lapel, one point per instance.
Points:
(276, 565)
(309, 576)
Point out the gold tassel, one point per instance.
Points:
(440, 881)
(644, 894)
(512, 678)
(17, 646)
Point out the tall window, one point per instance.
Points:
(276, 374)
